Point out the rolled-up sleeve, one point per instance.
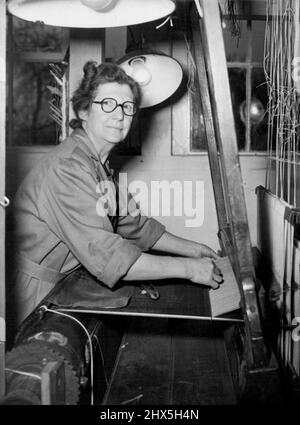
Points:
(67, 204)
(141, 230)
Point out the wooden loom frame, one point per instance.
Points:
(234, 234)
(2, 193)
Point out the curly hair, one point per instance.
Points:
(95, 75)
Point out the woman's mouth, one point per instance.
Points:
(116, 128)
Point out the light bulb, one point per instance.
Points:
(257, 111)
(97, 5)
(140, 72)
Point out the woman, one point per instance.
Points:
(66, 209)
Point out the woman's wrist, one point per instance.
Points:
(186, 267)
(179, 267)
(196, 250)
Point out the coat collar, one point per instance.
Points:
(81, 136)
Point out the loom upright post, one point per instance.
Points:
(2, 193)
(233, 190)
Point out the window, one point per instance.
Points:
(248, 92)
(35, 56)
(247, 83)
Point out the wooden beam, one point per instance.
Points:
(248, 88)
(225, 128)
(245, 9)
(115, 42)
(227, 142)
(209, 124)
(40, 57)
(204, 96)
(85, 45)
(2, 191)
(251, 9)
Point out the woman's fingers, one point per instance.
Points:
(205, 272)
(216, 269)
(214, 285)
(217, 274)
(218, 278)
(206, 251)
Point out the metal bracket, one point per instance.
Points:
(5, 203)
(2, 329)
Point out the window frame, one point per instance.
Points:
(181, 130)
(26, 57)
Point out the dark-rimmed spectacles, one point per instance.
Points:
(109, 104)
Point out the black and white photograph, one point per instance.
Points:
(149, 206)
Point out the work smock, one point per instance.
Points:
(60, 223)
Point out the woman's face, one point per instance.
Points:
(108, 127)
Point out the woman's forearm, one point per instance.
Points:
(176, 245)
(154, 267)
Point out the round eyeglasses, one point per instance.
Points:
(109, 104)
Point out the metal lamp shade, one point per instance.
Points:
(161, 79)
(91, 13)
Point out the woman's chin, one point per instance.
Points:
(116, 141)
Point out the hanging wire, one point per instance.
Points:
(21, 372)
(168, 19)
(281, 59)
(234, 23)
(58, 100)
(192, 67)
(280, 51)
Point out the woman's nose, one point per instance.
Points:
(118, 112)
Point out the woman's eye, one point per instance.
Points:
(128, 108)
(109, 103)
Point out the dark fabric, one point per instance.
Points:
(81, 289)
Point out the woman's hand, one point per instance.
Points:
(205, 251)
(203, 271)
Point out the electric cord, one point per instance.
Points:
(102, 357)
(20, 372)
(169, 18)
(45, 308)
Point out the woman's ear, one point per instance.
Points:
(83, 115)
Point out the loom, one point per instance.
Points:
(279, 201)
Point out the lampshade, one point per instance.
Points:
(91, 13)
(158, 75)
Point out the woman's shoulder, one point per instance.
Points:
(71, 152)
